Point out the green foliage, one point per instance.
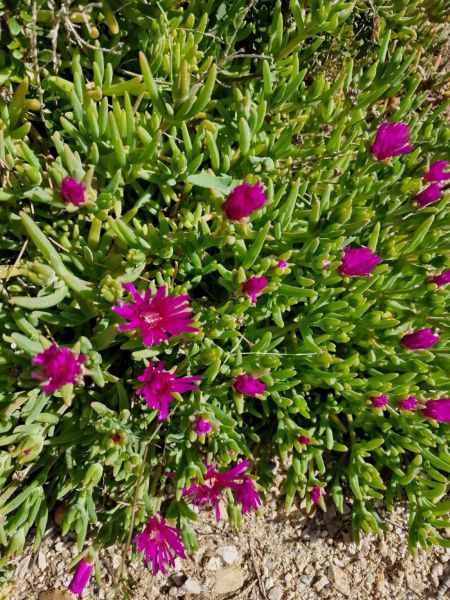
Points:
(178, 103)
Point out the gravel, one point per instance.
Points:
(273, 557)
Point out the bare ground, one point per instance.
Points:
(273, 557)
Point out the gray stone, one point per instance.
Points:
(192, 586)
(228, 580)
(229, 554)
(275, 594)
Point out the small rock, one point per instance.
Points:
(303, 584)
(321, 583)
(55, 595)
(275, 594)
(42, 561)
(229, 554)
(116, 560)
(339, 579)
(228, 580)
(59, 546)
(268, 583)
(192, 586)
(173, 592)
(214, 563)
(178, 578)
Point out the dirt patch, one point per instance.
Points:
(273, 557)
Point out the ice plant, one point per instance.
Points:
(160, 543)
(439, 410)
(210, 492)
(429, 195)
(358, 262)
(392, 139)
(159, 386)
(282, 264)
(379, 401)
(420, 340)
(246, 495)
(156, 318)
(56, 367)
(81, 576)
(244, 200)
(409, 403)
(72, 192)
(253, 287)
(202, 427)
(248, 385)
(315, 494)
(441, 279)
(304, 439)
(436, 172)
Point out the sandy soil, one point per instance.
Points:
(273, 557)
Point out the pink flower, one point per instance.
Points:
(315, 494)
(409, 404)
(391, 139)
(429, 195)
(157, 318)
(441, 279)
(304, 439)
(253, 286)
(358, 262)
(160, 543)
(439, 410)
(282, 264)
(379, 401)
(71, 191)
(436, 172)
(248, 385)
(326, 263)
(202, 427)
(419, 340)
(160, 385)
(116, 438)
(244, 200)
(215, 483)
(81, 577)
(57, 367)
(246, 495)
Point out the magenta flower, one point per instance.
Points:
(429, 195)
(358, 262)
(246, 495)
(81, 576)
(210, 492)
(71, 191)
(57, 367)
(379, 401)
(202, 427)
(439, 410)
(160, 543)
(244, 200)
(248, 385)
(304, 439)
(253, 286)
(282, 264)
(409, 404)
(315, 494)
(160, 385)
(436, 173)
(116, 438)
(420, 340)
(156, 318)
(392, 139)
(441, 279)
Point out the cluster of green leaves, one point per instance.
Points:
(287, 94)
